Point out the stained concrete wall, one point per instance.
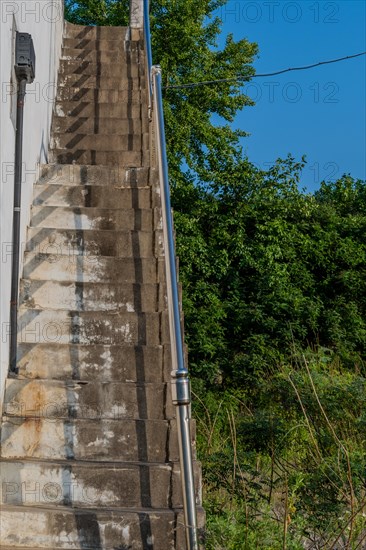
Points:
(44, 20)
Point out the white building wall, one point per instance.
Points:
(44, 20)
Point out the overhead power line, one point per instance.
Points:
(241, 78)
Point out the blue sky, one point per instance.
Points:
(320, 112)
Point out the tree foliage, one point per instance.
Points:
(270, 271)
(97, 12)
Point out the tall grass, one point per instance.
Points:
(286, 470)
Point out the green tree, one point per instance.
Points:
(269, 271)
(97, 12)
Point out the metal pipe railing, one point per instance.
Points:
(16, 226)
(181, 393)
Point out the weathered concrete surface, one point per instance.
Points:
(73, 174)
(56, 399)
(123, 55)
(90, 68)
(95, 218)
(86, 485)
(132, 363)
(83, 439)
(131, 314)
(92, 327)
(98, 142)
(106, 125)
(93, 530)
(89, 448)
(83, 156)
(90, 268)
(84, 242)
(81, 296)
(83, 529)
(94, 196)
(95, 82)
(100, 44)
(89, 485)
(83, 34)
(85, 109)
(100, 95)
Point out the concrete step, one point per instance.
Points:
(81, 32)
(57, 217)
(94, 362)
(101, 44)
(105, 440)
(92, 327)
(99, 142)
(92, 269)
(99, 125)
(74, 174)
(95, 81)
(95, 196)
(93, 529)
(119, 56)
(90, 243)
(100, 95)
(56, 399)
(121, 70)
(87, 530)
(127, 297)
(81, 156)
(92, 485)
(76, 484)
(82, 108)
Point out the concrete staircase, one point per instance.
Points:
(89, 452)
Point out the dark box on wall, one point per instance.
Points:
(25, 58)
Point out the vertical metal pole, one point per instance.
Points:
(180, 380)
(148, 34)
(148, 49)
(16, 225)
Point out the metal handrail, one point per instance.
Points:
(181, 393)
(180, 380)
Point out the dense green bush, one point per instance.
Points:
(274, 301)
(269, 271)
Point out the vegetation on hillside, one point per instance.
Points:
(274, 297)
(274, 302)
